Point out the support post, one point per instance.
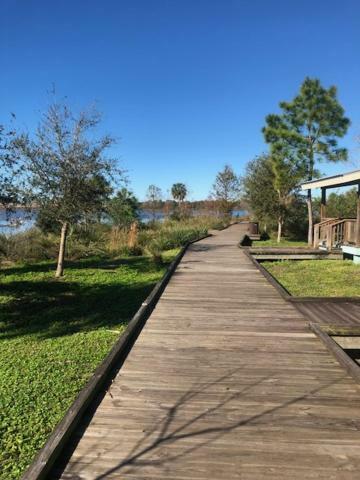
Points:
(357, 227)
(323, 204)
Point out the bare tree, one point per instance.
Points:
(154, 197)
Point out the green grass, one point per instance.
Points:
(317, 278)
(53, 334)
(284, 243)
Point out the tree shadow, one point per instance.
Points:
(206, 426)
(50, 308)
(140, 263)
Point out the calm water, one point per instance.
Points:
(16, 222)
(21, 221)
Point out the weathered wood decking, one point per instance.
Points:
(226, 382)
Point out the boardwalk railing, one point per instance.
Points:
(334, 232)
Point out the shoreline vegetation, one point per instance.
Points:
(55, 332)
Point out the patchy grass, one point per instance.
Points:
(53, 334)
(317, 278)
(284, 243)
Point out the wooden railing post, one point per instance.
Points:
(329, 237)
(323, 204)
(316, 235)
(357, 227)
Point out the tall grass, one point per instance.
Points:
(102, 240)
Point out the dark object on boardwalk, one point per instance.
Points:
(246, 241)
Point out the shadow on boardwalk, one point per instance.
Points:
(171, 429)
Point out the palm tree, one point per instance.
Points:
(179, 191)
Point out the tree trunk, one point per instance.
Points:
(60, 264)
(310, 219)
(279, 233)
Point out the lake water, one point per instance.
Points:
(21, 221)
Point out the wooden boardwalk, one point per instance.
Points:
(225, 382)
(340, 314)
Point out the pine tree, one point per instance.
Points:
(309, 127)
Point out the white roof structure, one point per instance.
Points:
(343, 180)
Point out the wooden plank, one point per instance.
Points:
(350, 366)
(225, 381)
(49, 453)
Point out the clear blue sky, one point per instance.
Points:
(185, 84)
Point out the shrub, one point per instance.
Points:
(31, 245)
(98, 239)
(155, 250)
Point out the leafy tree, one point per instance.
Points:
(309, 126)
(123, 209)
(295, 224)
(258, 189)
(342, 205)
(154, 197)
(67, 168)
(179, 192)
(285, 180)
(226, 189)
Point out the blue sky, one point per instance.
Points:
(184, 85)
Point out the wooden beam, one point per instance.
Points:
(323, 204)
(345, 361)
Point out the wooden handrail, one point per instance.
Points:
(333, 232)
(326, 221)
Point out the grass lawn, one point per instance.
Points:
(53, 334)
(284, 243)
(317, 278)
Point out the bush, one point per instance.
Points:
(155, 251)
(31, 245)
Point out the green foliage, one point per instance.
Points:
(341, 205)
(309, 126)
(53, 334)
(226, 189)
(263, 177)
(286, 177)
(307, 131)
(317, 278)
(171, 235)
(295, 224)
(154, 248)
(259, 191)
(179, 191)
(67, 169)
(34, 245)
(97, 239)
(28, 246)
(285, 242)
(123, 209)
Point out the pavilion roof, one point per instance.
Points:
(342, 180)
